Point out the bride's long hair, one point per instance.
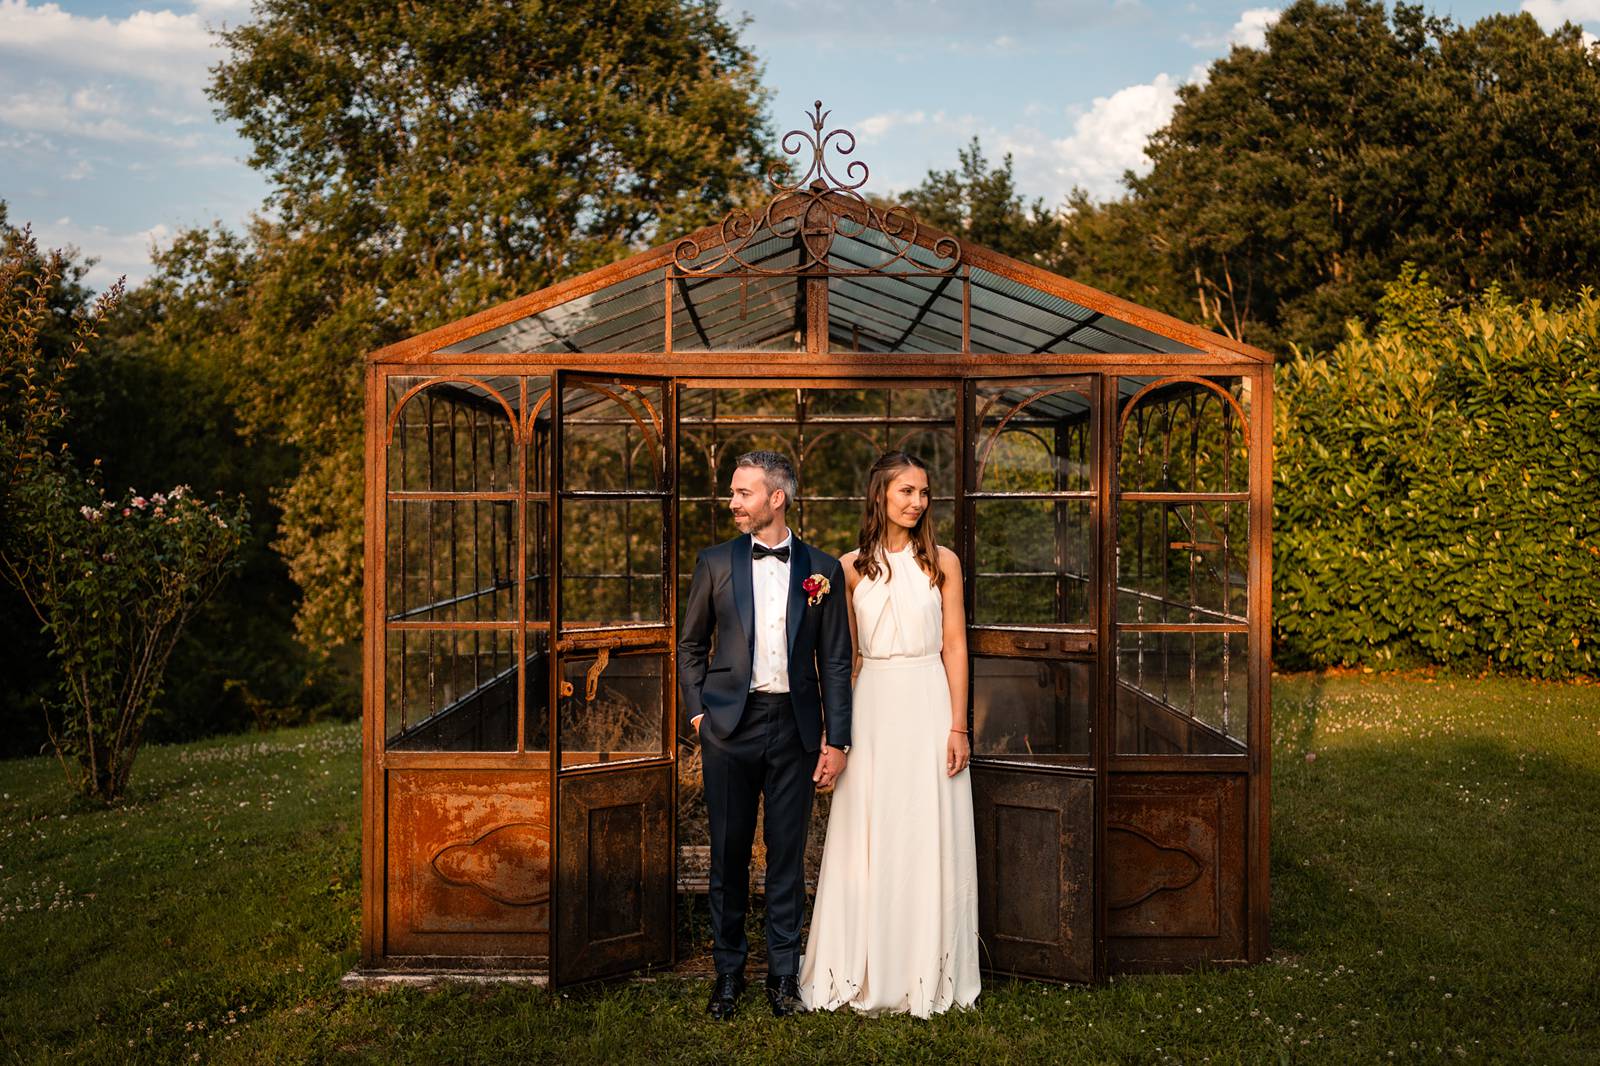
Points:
(875, 522)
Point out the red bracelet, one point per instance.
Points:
(953, 729)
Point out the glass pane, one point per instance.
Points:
(1182, 562)
(1187, 436)
(539, 420)
(743, 314)
(1182, 693)
(612, 554)
(1034, 709)
(936, 404)
(1033, 438)
(451, 691)
(536, 693)
(837, 457)
(894, 314)
(539, 561)
(453, 436)
(1033, 561)
(612, 436)
(832, 435)
(703, 407)
(451, 560)
(611, 709)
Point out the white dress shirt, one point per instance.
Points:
(769, 584)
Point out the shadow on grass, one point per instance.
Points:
(1464, 856)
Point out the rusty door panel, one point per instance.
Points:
(615, 870)
(1035, 841)
(468, 865)
(1175, 870)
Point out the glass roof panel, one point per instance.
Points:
(857, 248)
(764, 250)
(627, 316)
(894, 314)
(1008, 316)
(910, 307)
(741, 313)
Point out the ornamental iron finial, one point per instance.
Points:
(800, 211)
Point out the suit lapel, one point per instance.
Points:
(743, 597)
(799, 570)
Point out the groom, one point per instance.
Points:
(769, 614)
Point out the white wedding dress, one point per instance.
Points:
(895, 923)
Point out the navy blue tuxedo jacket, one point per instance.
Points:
(714, 675)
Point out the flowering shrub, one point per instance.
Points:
(114, 581)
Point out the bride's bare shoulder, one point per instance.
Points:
(949, 561)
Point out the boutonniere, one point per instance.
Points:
(816, 586)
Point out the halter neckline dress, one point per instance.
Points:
(895, 923)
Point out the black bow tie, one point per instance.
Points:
(759, 550)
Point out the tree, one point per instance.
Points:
(1292, 184)
(429, 160)
(155, 401)
(980, 203)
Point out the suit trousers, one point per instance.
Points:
(763, 758)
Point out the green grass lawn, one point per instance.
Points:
(1435, 873)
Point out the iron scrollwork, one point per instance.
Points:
(812, 211)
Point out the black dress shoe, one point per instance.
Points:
(725, 993)
(783, 993)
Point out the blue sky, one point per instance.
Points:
(108, 143)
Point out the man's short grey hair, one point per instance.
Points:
(776, 469)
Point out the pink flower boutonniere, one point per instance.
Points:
(816, 587)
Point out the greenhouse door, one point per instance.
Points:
(613, 763)
(1032, 506)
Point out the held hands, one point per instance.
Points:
(958, 752)
(830, 764)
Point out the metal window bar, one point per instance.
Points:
(1159, 408)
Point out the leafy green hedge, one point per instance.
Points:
(1437, 490)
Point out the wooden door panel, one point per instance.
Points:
(468, 863)
(614, 873)
(1035, 841)
(1175, 870)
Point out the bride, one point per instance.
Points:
(895, 923)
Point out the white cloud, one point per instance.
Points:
(1054, 149)
(1552, 13)
(238, 9)
(875, 126)
(1109, 138)
(1251, 29)
(119, 253)
(84, 113)
(157, 46)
